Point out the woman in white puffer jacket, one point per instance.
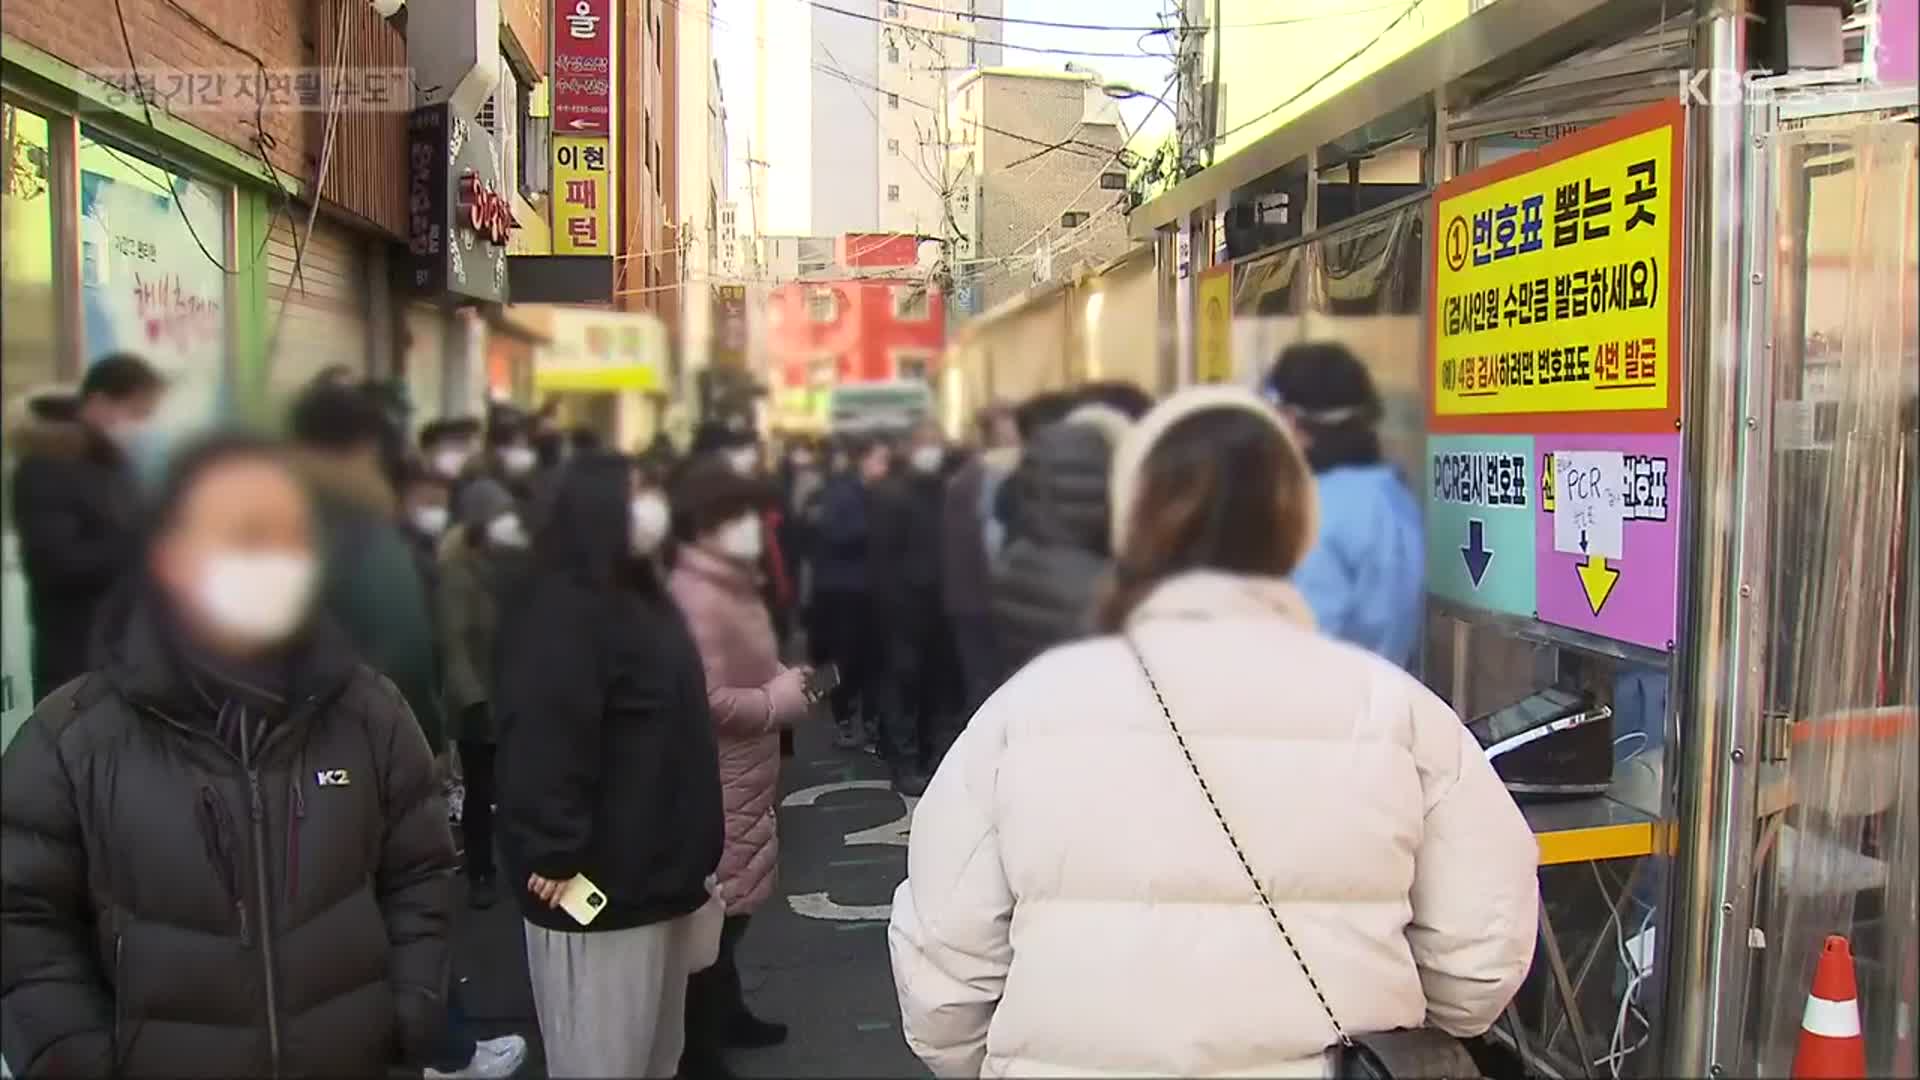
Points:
(1072, 906)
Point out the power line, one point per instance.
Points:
(1010, 20)
(956, 35)
(1102, 154)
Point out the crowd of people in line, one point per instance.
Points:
(341, 667)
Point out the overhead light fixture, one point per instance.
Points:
(387, 9)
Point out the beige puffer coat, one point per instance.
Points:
(1072, 907)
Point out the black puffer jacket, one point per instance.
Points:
(173, 907)
(607, 759)
(76, 510)
(1055, 557)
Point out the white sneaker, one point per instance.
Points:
(493, 1059)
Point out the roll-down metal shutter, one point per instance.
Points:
(326, 319)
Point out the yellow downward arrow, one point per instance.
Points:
(1598, 580)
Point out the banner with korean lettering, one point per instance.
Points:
(1556, 292)
(583, 67)
(582, 196)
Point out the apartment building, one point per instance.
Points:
(851, 130)
(1038, 185)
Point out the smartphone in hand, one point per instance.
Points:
(583, 900)
(823, 681)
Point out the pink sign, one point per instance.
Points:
(1632, 594)
(1897, 41)
(583, 67)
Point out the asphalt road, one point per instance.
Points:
(824, 973)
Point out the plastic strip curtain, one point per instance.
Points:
(1837, 837)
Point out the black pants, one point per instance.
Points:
(923, 696)
(979, 655)
(476, 813)
(714, 1000)
(841, 631)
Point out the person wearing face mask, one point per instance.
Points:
(840, 623)
(508, 459)
(752, 697)
(371, 585)
(76, 504)
(424, 518)
(479, 561)
(607, 772)
(224, 849)
(919, 679)
(447, 445)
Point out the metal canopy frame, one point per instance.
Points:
(1489, 47)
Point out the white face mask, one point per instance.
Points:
(260, 596)
(926, 458)
(507, 532)
(802, 459)
(740, 538)
(744, 459)
(518, 460)
(649, 518)
(448, 463)
(431, 520)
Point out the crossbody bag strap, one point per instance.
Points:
(1340, 1033)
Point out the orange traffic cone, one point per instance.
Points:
(1830, 1044)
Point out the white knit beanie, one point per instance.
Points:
(1131, 454)
(1111, 422)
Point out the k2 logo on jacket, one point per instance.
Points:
(332, 778)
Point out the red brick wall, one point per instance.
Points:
(228, 35)
(86, 34)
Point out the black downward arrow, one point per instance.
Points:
(1476, 553)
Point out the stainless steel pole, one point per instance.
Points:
(1706, 718)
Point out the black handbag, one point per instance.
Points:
(1423, 1053)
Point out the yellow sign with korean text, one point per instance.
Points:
(582, 195)
(1556, 288)
(1213, 334)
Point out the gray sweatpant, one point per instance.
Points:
(611, 1003)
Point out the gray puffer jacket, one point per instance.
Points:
(1056, 556)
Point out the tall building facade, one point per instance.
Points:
(1037, 186)
(852, 130)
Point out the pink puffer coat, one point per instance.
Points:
(751, 695)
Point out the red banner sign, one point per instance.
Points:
(582, 67)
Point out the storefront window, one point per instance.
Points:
(153, 270)
(29, 335)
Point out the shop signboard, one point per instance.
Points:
(583, 67)
(459, 219)
(582, 192)
(1553, 487)
(1213, 337)
(591, 351)
(1556, 292)
(730, 325)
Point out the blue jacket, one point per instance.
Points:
(841, 551)
(1366, 575)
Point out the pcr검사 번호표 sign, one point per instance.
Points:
(1557, 285)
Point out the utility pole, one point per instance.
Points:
(1192, 116)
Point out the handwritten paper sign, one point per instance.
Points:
(1591, 514)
